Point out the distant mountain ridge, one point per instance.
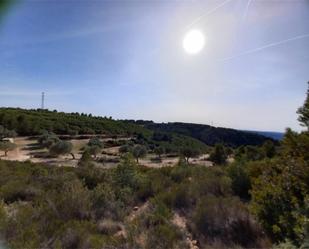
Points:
(208, 134)
(271, 134)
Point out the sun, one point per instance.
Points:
(193, 42)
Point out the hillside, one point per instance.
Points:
(32, 122)
(271, 134)
(210, 135)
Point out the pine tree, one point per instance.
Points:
(303, 112)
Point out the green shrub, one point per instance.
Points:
(95, 141)
(225, 219)
(125, 148)
(163, 236)
(105, 203)
(73, 202)
(16, 191)
(180, 173)
(285, 245)
(218, 154)
(177, 197)
(241, 183)
(144, 187)
(210, 182)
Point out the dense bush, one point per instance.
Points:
(280, 187)
(225, 219)
(218, 154)
(6, 133)
(90, 207)
(279, 205)
(241, 182)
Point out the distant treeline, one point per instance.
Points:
(34, 121)
(207, 134)
(271, 134)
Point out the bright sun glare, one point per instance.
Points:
(193, 42)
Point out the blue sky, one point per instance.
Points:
(125, 59)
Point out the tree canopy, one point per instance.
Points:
(61, 148)
(7, 146)
(218, 154)
(303, 112)
(189, 152)
(139, 151)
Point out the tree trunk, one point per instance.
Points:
(73, 156)
(5, 153)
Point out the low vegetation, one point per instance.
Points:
(260, 199)
(89, 207)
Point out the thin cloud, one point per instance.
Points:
(274, 44)
(70, 35)
(207, 13)
(247, 10)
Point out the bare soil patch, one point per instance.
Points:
(28, 149)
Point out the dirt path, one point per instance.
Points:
(181, 222)
(178, 220)
(20, 153)
(137, 211)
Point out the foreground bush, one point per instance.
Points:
(89, 207)
(226, 219)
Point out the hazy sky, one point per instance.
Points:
(125, 59)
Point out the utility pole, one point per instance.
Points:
(42, 101)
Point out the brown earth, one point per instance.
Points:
(28, 149)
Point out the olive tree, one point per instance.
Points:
(159, 151)
(48, 139)
(94, 146)
(7, 146)
(189, 152)
(125, 148)
(61, 148)
(93, 150)
(95, 141)
(139, 151)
